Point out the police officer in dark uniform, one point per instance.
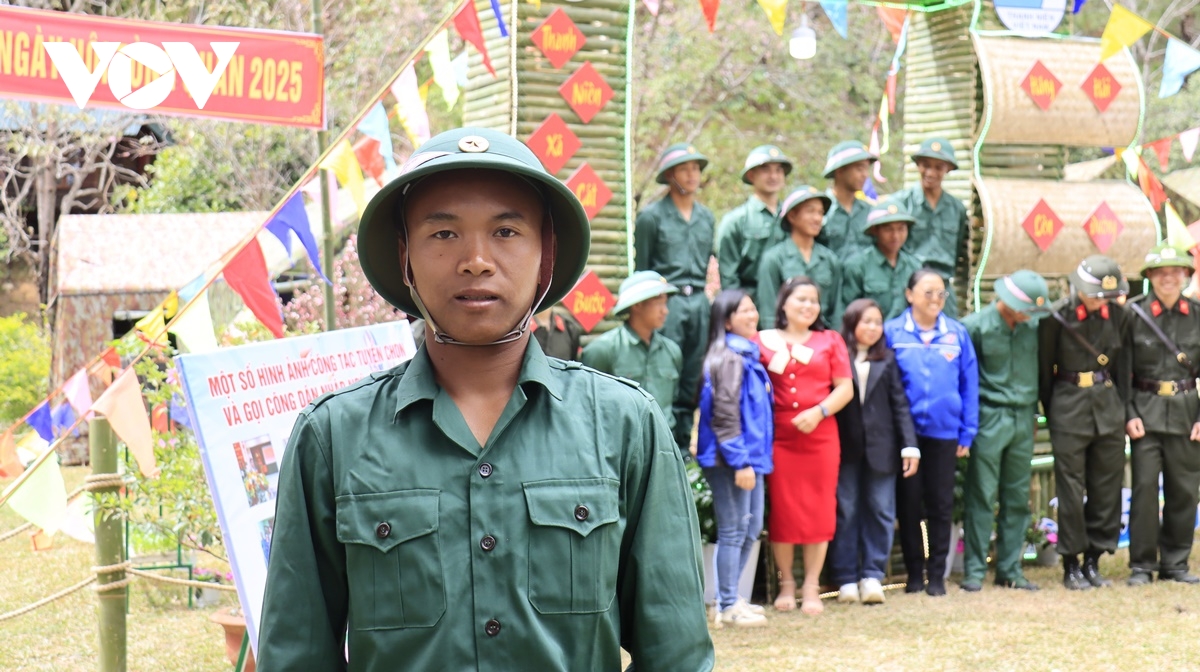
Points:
(1080, 357)
(1163, 419)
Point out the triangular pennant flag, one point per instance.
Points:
(1187, 142)
(293, 218)
(345, 166)
(1129, 156)
(1179, 61)
(42, 498)
(1150, 185)
(192, 288)
(366, 150)
(1078, 6)
(467, 23)
(836, 11)
(893, 19)
(10, 466)
(313, 190)
(869, 189)
(247, 275)
(77, 521)
(1194, 231)
(651, 5)
(1122, 30)
(410, 107)
(443, 70)
(890, 91)
(710, 8)
(776, 13)
(873, 148)
(179, 413)
(461, 70)
(104, 367)
(42, 421)
(125, 409)
(153, 327)
(1177, 232)
(78, 391)
(194, 327)
(500, 18)
(1162, 149)
(375, 125)
(63, 418)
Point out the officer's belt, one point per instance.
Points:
(688, 290)
(1085, 378)
(1164, 388)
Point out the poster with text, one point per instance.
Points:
(243, 402)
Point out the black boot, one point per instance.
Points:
(1091, 570)
(1073, 578)
(1140, 577)
(916, 584)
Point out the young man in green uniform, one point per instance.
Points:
(799, 254)
(940, 228)
(751, 228)
(848, 165)
(881, 271)
(674, 237)
(481, 506)
(1005, 338)
(557, 332)
(634, 350)
(1163, 420)
(1080, 358)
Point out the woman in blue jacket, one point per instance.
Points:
(937, 365)
(734, 445)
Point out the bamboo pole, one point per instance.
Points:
(318, 27)
(110, 546)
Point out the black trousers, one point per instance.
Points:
(1093, 466)
(1164, 545)
(928, 495)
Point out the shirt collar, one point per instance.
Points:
(910, 325)
(756, 205)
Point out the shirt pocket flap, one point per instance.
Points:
(579, 505)
(386, 519)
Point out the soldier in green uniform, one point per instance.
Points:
(940, 229)
(848, 165)
(1163, 420)
(1080, 358)
(635, 350)
(799, 254)
(481, 506)
(881, 271)
(751, 228)
(1005, 338)
(674, 237)
(557, 332)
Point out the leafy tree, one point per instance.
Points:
(24, 366)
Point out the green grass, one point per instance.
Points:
(1157, 627)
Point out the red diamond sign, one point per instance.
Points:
(589, 301)
(589, 189)
(1042, 225)
(1101, 87)
(1041, 85)
(558, 37)
(1103, 227)
(586, 92)
(554, 143)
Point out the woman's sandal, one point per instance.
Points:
(811, 602)
(787, 596)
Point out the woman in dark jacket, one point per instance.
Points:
(878, 440)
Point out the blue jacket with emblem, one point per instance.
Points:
(940, 375)
(736, 423)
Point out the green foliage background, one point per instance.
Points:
(24, 366)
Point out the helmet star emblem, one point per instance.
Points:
(473, 144)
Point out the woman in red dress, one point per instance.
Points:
(810, 377)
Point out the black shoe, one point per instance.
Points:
(1073, 578)
(1017, 584)
(971, 585)
(915, 584)
(1179, 576)
(1140, 577)
(1091, 571)
(936, 588)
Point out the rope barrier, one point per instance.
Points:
(47, 600)
(14, 532)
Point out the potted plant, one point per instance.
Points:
(208, 598)
(234, 623)
(1042, 538)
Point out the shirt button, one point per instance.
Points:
(793, 390)
(485, 470)
(487, 543)
(581, 513)
(492, 628)
(795, 404)
(791, 376)
(383, 531)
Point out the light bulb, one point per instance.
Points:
(803, 44)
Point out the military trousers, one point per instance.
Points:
(1163, 546)
(687, 325)
(1093, 466)
(951, 307)
(998, 472)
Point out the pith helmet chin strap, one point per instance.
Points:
(545, 276)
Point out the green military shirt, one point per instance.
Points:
(569, 534)
(939, 234)
(744, 234)
(559, 335)
(842, 230)
(621, 352)
(679, 250)
(1069, 408)
(868, 274)
(783, 261)
(1152, 360)
(1008, 374)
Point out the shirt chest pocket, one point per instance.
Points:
(394, 559)
(878, 284)
(574, 544)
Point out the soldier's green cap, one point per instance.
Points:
(846, 153)
(937, 148)
(639, 287)
(1165, 254)
(761, 156)
(680, 152)
(1025, 292)
(801, 195)
(469, 148)
(886, 213)
(1100, 277)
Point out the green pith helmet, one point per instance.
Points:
(680, 152)
(1165, 254)
(937, 148)
(639, 287)
(846, 153)
(886, 213)
(1099, 277)
(801, 195)
(1024, 291)
(762, 155)
(469, 148)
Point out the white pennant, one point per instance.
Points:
(1187, 140)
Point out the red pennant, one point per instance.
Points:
(1162, 149)
(1151, 187)
(467, 24)
(111, 358)
(893, 20)
(247, 275)
(710, 12)
(369, 158)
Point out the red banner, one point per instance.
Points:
(235, 74)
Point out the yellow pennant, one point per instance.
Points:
(342, 162)
(443, 68)
(1177, 232)
(776, 13)
(1122, 30)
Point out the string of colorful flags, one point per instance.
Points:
(1124, 29)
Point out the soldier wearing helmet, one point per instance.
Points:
(848, 165)
(749, 230)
